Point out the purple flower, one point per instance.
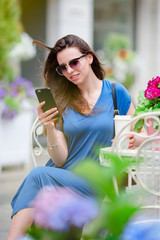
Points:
(7, 113)
(12, 114)
(17, 90)
(31, 93)
(2, 93)
(14, 92)
(144, 230)
(60, 208)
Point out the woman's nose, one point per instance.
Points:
(69, 69)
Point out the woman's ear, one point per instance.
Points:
(90, 58)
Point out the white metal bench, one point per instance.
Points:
(38, 144)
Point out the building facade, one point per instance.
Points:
(93, 20)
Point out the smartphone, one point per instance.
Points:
(45, 94)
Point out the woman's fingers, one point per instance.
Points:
(131, 142)
(46, 113)
(47, 117)
(39, 108)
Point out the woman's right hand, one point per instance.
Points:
(46, 118)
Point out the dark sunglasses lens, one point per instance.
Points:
(74, 64)
(61, 69)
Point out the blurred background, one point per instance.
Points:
(95, 20)
(124, 33)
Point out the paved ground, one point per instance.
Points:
(10, 180)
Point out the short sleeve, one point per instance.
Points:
(123, 99)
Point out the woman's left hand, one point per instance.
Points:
(131, 141)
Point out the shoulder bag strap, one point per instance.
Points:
(116, 111)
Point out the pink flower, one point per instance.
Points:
(153, 88)
(60, 208)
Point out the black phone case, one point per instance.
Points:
(44, 94)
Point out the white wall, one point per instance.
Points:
(148, 43)
(69, 17)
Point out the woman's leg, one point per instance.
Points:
(37, 179)
(20, 222)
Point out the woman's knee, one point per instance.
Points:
(36, 172)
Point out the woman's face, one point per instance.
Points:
(78, 70)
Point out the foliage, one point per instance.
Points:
(10, 29)
(148, 101)
(120, 62)
(14, 47)
(61, 214)
(116, 209)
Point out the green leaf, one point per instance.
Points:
(13, 103)
(46, 234)
(138, 125)
(116, 42)
(119, 212)
(99, 177)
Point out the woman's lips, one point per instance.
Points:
(74, 77)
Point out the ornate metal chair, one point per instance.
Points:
(144, 172)
(38, 144)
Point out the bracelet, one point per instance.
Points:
(54, 145)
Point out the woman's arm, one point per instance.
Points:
(131, 110)
(57, 145)
(134, 141)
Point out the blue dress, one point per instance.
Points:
(85, 135)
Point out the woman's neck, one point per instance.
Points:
(91, 90)
(90, 85)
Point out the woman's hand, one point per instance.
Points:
(131, 141)
(46, 118)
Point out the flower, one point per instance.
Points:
(59, 209)
(144, 229)
(153, 89)
(16, 96)
(148, 101)
(62, 210)
(23, 50)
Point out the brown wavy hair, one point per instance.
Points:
(65, 92)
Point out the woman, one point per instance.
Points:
(84, 100)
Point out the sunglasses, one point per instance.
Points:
(74, 64)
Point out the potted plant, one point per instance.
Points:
(120, 62)
(148, 101)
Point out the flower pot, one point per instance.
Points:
(15, 139)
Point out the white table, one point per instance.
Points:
(122, 152)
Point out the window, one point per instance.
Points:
(114, 16)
